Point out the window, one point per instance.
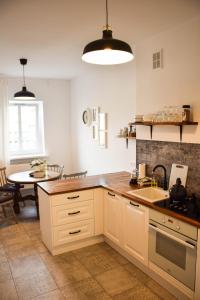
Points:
(26, 128)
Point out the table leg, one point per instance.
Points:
(16, 199)
(36, 199)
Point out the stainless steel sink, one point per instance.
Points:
(150, 194)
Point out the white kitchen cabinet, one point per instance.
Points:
(113, 217)
(135, 230)
(71, 220)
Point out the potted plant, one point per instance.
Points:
(39, 166)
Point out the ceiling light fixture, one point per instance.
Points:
(107, 51)
(24, 94)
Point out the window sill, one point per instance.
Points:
(26, 158)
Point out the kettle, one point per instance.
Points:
(177, 192)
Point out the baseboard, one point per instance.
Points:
(77, 245)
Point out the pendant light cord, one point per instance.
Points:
(24, 76)
(107, 26)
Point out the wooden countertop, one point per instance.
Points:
(116, 182)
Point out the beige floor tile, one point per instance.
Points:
(24, 248)
(54, 295)
(65, 268)
(8, 290)
(68, 257)
(23, 266)
(31, 226)
(99, 296)
(5, 273)
(96, 249)
(65, 273)
(36, 237)
(118, 257)
(15, 238)
(54, 261)
(140, 293)
(116, 281)
(99, 262)
(72, 294)
(34, 284)
(3, 257)
(159, 290)
(84, 289)
(136, 272)
(12, 228)
(40, 246)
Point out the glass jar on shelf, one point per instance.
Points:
(186, 113)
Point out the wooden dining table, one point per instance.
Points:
(24, 178)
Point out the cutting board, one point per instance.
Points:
(178, 171)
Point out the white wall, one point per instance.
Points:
(55, 95)
(113, 90)
(177, 83)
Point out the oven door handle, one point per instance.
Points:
(185, 243)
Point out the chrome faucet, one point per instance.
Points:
(165, 175)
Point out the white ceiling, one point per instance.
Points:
(53, 33)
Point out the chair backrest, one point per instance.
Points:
(56, 168)
(3, 179)
(75, 175)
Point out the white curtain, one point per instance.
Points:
(4, 141)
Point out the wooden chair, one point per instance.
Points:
(56, 168)
(6, 200)
(6, 186)
(75, 175)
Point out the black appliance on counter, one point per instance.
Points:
(180, 203)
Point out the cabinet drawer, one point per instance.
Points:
(72, 197)
(72, 232)
(72, 212)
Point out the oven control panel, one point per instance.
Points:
(173, 223)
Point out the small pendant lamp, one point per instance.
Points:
(24, 94)
(107, 51)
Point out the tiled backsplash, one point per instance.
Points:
(154, 152)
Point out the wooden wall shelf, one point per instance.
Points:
(127, 138)
(151, 124)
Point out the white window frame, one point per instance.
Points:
(39, 130)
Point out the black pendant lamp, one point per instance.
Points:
(107, 51)
(24, 94)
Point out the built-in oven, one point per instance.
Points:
(172, 247)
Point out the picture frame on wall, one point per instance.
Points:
(95, 132)
(95, 114)
(102, 138)
(102, 121)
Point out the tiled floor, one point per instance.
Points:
(29, 271)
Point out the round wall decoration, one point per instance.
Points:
(87, 117)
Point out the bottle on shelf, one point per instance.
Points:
(186, 113)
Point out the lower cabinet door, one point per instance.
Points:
(135, 228)
(73, 232)
(113, 217)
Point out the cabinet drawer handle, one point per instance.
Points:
(74, 213)
(74, 232)
(136, 205)
(73, 197)
(110, 194)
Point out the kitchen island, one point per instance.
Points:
(80, 212)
